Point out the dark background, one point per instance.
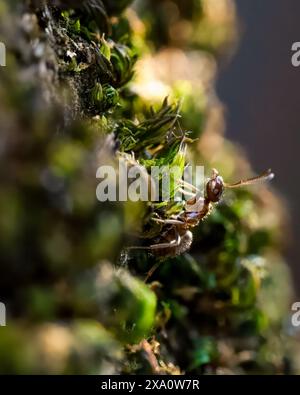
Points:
(261, 90)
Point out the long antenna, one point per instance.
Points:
(266, 176)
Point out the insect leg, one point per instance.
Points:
(186, 192)
(173, 243)
(189, 186)
(151, 271)
(168, 221)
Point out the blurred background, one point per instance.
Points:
(260, 90)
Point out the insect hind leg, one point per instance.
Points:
(157, 247)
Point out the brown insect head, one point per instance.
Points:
(215, 187)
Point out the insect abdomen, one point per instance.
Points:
(172, 251)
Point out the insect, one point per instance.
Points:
(177, 237)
